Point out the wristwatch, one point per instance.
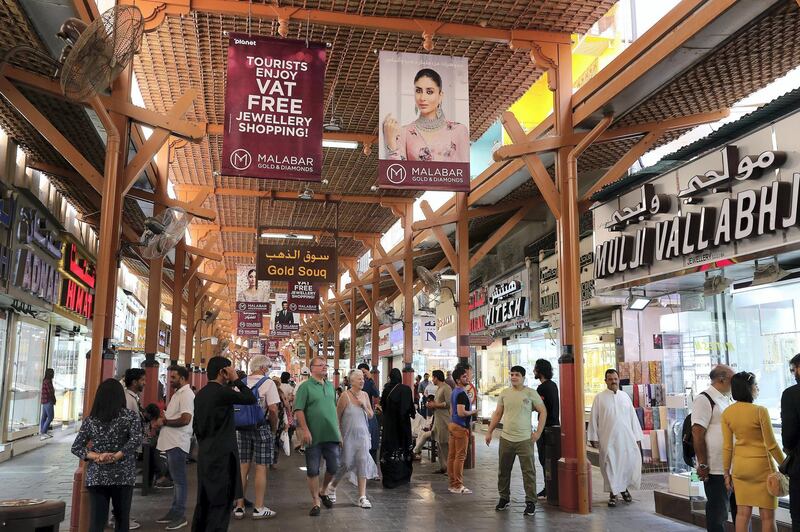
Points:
(702, 466)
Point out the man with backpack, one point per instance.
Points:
(255, 435)
(706, 442)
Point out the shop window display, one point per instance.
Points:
(68, 360)
(493, 376)
(599, 355)
(25, 379)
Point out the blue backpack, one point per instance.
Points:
(250, 416)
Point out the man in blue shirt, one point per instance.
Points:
(459, 432)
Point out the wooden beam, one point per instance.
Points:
(292, 196)
(498, 235)
(441, 237)
(189, 207)
(206, 253)
(361, 289)
(434, 221)
(500, 208)
(391, 269)
(194, 267)
(211, 278)
(390, 260)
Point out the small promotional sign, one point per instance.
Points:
(290, 262)
(424, 122)
(250, 320)
(251, 294)
(273, 108)
(270, 347)
(303, 297)
(247, 332)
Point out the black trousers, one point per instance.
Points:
(794, 501)
(120, 497)
(718, 503)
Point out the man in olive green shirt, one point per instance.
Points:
(318, 426)
(515, 406)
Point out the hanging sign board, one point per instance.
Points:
(303, 297)
(270, 347)
(251, 294)
(424, 122)
(249, 320)
(247, 332)
(273, 108)
(284, 322)
(290, 262)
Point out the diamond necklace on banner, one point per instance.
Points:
(431, 124)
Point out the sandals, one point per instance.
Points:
(626, 496)
(612, 501)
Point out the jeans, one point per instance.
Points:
(314, 454)
(47, 418)
(718, 503)
(176, 461)
(457, 454)
(509, 451)
(99, 497)
(794, 501)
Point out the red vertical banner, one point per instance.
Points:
(273, 108)
(303, 297)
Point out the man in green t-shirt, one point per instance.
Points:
(515, 406)
(318, 427)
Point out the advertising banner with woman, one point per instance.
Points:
(424, 128)
(273, 108)
(251, 294)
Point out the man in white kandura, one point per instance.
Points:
(614, 425)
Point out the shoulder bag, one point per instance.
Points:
(777, 482)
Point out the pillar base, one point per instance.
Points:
(408, 375)
(568, 485)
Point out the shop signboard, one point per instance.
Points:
(273, 108)
(508, 302)
(270, 347)
(424, 334)
(397, 337)
(78, 280)
(249, 320)
(303, 297)
(736, 203)
(248, 333)
(252, 295)
(292, 262)
(78, 265)
(478, 299)
(77, 299)
(549, 295)
(384, 343)
(424, 128)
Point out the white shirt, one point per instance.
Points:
(430, 390)
(132, 402)
(710, 419)
(181, 402)
(267, 393)
(288, 391)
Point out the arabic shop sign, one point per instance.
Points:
(303, 297)
(76, 298)
(736, 202)
(549, 299)
(33, 228)
(508, 301)
(77, 265)
(36, 276)
(296, 263)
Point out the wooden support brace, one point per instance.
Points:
(498, 235)
(194, 209)
(391, 269)
(205, 253)
(194, 267)
(441, 237)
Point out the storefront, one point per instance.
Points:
(707, 258)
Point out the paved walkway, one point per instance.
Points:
(423, 505)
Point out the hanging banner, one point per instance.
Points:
(251, 294)
(303, 297)
(284, 320)
(270, 347)
(291, 262)
(250, 320)
(424, 128)
(273, 108)
(244, 333)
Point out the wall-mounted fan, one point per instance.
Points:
(432, 289)
(210, 316)
(385, 313)
(163, 232)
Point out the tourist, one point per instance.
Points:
(449, 380)
(280, 431)
(747, 462)
(288, 395)
(175, 439)
(614, 427)
(707, 412)
(790, 436)
(109, 439)
(441, 418)
(218, 476)
(48, 400)
(548, 391)
(416, 390)
(422, 431)
(423, 397)
(397, 446)
(374, 396)
(135, 379)
(256, 443)
(354, 410)
(318, 428)
(461, 416)
(515, 406)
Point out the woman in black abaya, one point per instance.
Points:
(397, 446)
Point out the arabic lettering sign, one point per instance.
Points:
(724, 205)
(296, 263)
(424, 129)
(549, 300)
(508, 301)
(77, 265)
(251, 294)
(303, 297)
(273, 108)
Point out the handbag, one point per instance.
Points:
(777, 482)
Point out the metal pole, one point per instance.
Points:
(462, 290)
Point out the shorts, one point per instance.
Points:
(256, 445)
(314, 454)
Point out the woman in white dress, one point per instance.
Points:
(354, 411)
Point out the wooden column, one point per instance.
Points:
(177, 308)
(188, 342)
(375, 325)
(574, 493)
(408, 295)
(199, 357)
(353, 328)
(462, 288)
(336, 346)
(325, 340)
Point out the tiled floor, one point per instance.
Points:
(424, 505)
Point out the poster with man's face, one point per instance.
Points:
(283, 319)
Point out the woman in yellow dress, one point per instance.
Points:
(748, 461)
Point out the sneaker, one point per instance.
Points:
(530, 508)
(175, 524)
(238, 513)
(166, 519)
(331, 493)
(164, 484)
(461, 490)
(502, 505)
(326, 501)
(542, 494)
(263, 513)
(364, 503)
(133, 525)
(314, 511)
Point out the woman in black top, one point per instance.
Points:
(109, 440)
(397, 447)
